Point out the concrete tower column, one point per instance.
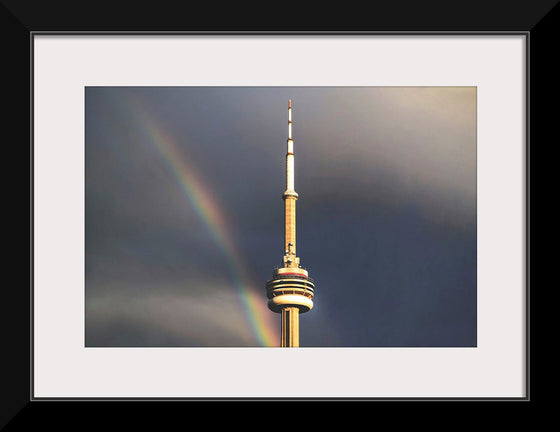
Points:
(290, 197)
(290, 228)
(290, 327)
(291, 290)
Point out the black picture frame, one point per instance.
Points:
(21, 19)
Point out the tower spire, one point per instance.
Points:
(290, 197)
(291, 290)
(290, 119)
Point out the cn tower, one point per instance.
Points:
(291, 290)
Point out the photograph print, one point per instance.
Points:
(280, 217)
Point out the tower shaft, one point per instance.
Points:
(290, 197)
(290, 327)
(290, 292)
(290, 230)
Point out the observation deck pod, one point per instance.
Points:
(290, 287)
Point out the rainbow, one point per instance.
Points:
(202, 200)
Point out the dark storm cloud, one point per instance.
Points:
(166, 316)
(394, 145)
(137, 222)
(386, 217)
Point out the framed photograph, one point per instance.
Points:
(171, 173)
(179, 215)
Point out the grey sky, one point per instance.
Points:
(386, 220)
